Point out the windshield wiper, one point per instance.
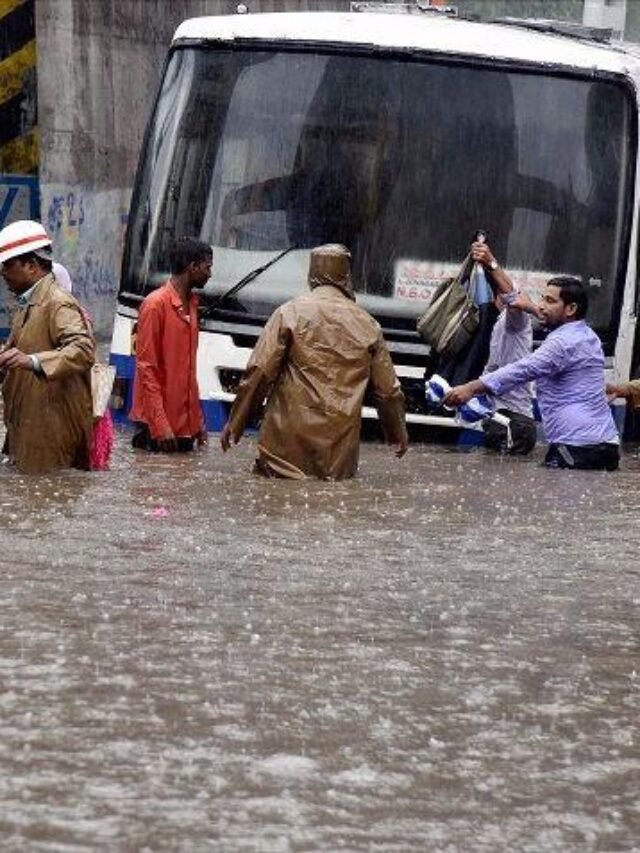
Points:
(247, 279)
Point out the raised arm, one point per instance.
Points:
(262, 370)
(500, 281)
(520, 305)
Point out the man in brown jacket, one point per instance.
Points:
(315, 359)
(46, 363)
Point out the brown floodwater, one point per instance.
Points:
(439, 655)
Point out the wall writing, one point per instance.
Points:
(87, 228)
(65, 211)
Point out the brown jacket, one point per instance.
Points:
(49, 416)
(315, 359)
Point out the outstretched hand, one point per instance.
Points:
(459, 395)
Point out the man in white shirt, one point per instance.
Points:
(511, 339)
(61, 275)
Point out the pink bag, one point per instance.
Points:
(102, 438)
(102, 442)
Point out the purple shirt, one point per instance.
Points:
(568, 369)
(511, 339)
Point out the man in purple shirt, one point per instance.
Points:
(568, 369)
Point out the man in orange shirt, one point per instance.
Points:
(166, 400)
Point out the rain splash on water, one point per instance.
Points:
(439, 655)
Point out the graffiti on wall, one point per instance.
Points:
(94, 278)
(87, 229)
(65, 211)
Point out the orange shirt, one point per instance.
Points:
(165, 390)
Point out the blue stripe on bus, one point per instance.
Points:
(215, 412)
(125, 365)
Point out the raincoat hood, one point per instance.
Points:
(331, 265)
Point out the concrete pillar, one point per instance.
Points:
(606, 13)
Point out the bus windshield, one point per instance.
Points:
(258, 151)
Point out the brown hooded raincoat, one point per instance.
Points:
(49, 416)
(315, 359)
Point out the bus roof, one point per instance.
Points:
(432, 33)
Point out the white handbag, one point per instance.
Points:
(102, 379)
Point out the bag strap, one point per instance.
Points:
(473, 284)
(465, 269)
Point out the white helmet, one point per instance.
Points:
(22, 237)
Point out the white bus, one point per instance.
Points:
(395, 134)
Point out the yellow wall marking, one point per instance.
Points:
(14, 68)
(7, 6)
(21, 155)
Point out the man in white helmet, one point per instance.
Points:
(46, 362)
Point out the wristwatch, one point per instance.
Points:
(493, 265)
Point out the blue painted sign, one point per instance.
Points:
(19, 199)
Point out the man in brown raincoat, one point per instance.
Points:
(46, 363)
(315, 359)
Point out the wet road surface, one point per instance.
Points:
(440, 655)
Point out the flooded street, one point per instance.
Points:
(440, 655)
